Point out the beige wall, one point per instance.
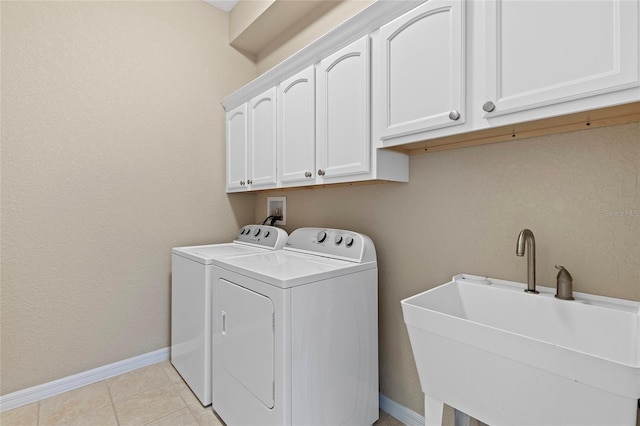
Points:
(462, 211)
(244, 14)
(112, 153)
(306, 30)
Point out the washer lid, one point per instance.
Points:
(286, 269)
(205, 254)
(250, 239)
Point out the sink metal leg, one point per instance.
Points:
(432, 411)
(460, 418)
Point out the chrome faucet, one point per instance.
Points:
(526, 236)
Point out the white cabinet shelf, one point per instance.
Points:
(343, 142)
(419, 70)
(251, 144)
(236, 123)
(431, 75)
(262, 141)
(545, 53)
(531, 68)
(296, 129)
(317, 124)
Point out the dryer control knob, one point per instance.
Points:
(322, 235)
(348, 241)
(256, 232)
(267, 233)
(338, 239)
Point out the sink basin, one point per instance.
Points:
(503, 356)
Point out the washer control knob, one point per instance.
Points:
(322, 235)
(267, 233)
(348, 241)
(244, 231)
(338, 239)
(256, 232)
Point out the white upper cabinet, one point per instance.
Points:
(251, 144)
(343, 142)
(432, 75)
(262, 140)
(419, 70)
(237, 148)
(296, 128)
(541, 53)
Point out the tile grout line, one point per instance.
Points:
(157, 365)
(113, 405)
(66, 384)
(180, 394)
(173, 386)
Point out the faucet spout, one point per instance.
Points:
(525, 238)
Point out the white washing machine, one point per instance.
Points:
(295, 333)
(191, 301)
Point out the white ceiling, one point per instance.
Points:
(225, 5)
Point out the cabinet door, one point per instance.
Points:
(262, 139)
(244, 339)
(237, 148)
(541, 53)
(343, 142)
(296, 128)
(420, 59)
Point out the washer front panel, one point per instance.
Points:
(190, 331)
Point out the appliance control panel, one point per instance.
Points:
(334, 243)
(263, 236)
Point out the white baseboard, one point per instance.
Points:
(45, 390)
(400, 412)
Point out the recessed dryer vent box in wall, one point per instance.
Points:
(277, 206)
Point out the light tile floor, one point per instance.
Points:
(154, 395)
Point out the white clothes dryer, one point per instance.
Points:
(295, 332)
(191, 301)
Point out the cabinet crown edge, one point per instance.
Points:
(361, 24)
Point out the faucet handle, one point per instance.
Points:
(564, 289)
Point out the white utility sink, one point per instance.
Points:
(503, 356)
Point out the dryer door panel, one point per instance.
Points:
(246, 347)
